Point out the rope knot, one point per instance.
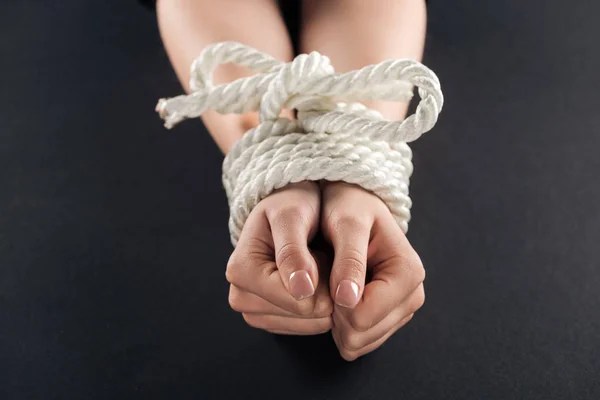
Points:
(330, 140)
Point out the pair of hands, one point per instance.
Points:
(282, 286)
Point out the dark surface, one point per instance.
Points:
(113, 234)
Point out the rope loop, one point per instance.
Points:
(330, 139)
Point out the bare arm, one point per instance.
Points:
(360, 227)
(274, 279)
(356, 33)
(188, 26)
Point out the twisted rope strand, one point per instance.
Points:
(331, 140)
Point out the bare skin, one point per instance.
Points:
(277, 282)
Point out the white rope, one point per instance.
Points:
(329, 140)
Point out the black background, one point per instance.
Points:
(113, 233)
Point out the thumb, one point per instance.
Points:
(350, 240)
(296, 265)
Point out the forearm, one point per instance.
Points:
(188, 26)
(356, 33)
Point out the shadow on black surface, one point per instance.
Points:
(113, 234)
(314, 351)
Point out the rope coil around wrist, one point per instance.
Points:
(329, 140)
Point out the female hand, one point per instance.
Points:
(366, 238)
(273, 275)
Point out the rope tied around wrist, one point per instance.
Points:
(329, 140)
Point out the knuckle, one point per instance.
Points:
(407, 319)
(421, 274)
(411, 264)
(416, 266)
(418, 299)
(252, 320)
(321, 326)
(323, 307)
(234, 299)
(348, 355)
(232, 275)
(304, 308)
(351, 341)
(234, 267)
(289, 254)
(360, 322)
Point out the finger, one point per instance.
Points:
(349, 236)
(265, 282)
(291, 228)
(251, 268)
(396, 272)
(354, 340)
(249, 303)
(290, 326)
(351, 355)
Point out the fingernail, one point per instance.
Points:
(346, 294)
(301, 286)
